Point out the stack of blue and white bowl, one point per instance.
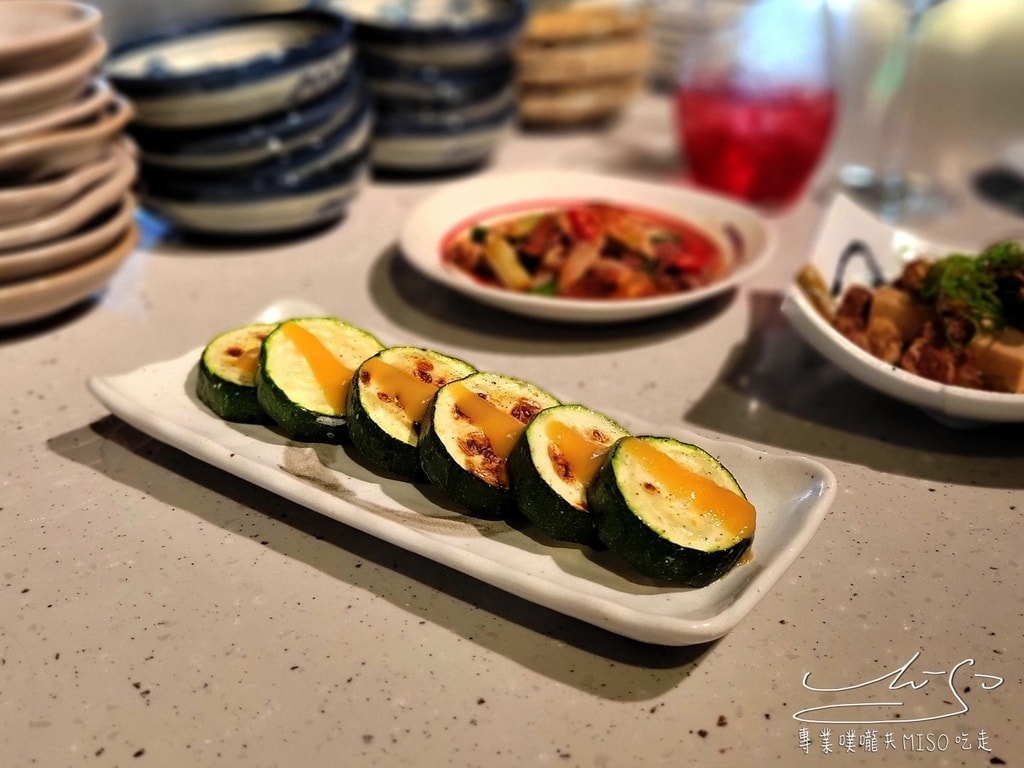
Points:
(248, 126)
(442, 78)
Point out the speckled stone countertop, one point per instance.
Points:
(155, 611)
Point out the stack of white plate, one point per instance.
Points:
(441, 75)
(581, 61)
(251, 125)
(66, 168)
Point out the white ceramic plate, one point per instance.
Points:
(791, 494)
(234, 70)
(39, 297)
(846, 223)
(453, 205)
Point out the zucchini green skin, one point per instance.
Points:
(546, 493)
(624, 530)
(284, 382)
(460, 465)
(221, 384)
(378, 427)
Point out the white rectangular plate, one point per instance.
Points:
(791, 495)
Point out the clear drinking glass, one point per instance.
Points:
(755, 104)
(890, 188)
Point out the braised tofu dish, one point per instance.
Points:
(958, 320)
(587, 249)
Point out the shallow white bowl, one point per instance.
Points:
(233, 70)
(52, 153)
(30, 201)
(75, 213)
(846, 224)
(454, 205)
(96, 235)
(40, 297)
(38, 90)
(36, 33)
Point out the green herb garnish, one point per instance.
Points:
(966, 287)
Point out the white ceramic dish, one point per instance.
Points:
(318, 200)
(89, 240)
(77, 212)
(90, 102)
(791, 494)
(256, 142)
(38, 90)
(60, 151)
(30, 201)
(236, 70)
(40, 297)
(411, 138)
(847, 223)
(438, 33)
(36, 33)
(453, 205)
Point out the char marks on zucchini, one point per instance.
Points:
(388, 397)
(553, 464)
(468, 432)
(226, 377)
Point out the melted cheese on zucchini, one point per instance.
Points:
(501, 428)
(330, 374)
(583, 456)
(684, 499)
(409, 393)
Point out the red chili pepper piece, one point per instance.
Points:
(584, 222)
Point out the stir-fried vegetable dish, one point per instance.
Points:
(958, 320)
(591, 249)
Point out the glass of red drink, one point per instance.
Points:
(756, 102)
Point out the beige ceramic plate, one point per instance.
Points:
(76, 213)
(85, 106)
(40, 297)
(35, 90)
(35, 33)
(55, 152)
(18, 204)
(87, 241)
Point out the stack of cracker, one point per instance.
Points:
(581, 61)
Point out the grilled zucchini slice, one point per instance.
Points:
(553, 464)
(306, 366)
(671, 510)
(467, 434)
(226, 382)
(387, 399)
